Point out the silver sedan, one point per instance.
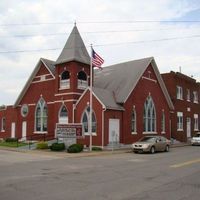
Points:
(151, 144)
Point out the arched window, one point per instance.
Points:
(163, 122)
(149, 115)
(85, 121)
(65, 80)
(82, 80)
(41, 116)
(63, 115)
(133, 121)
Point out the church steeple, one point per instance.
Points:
(74, 49)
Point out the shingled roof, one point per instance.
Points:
(121, 79)
(74, 49)
(49, 64)
(107, 98)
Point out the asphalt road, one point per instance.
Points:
(128, 176)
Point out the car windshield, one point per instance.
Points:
(148, 139)
(197, 135)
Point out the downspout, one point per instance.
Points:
(102, 125)
(73, 113)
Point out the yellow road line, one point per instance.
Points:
(185, 163)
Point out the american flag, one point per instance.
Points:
(97, 61)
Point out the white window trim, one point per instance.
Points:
(195, 96)
(179, 92)
(64, 84)
(82, 85)
(2, 124)
(35, 128)
(152, 133)
(59, 112)
(146, 117)
(163, 124)
(179, 114)
(87, 133)
(196, 117)
(135, 128)
(38, 132)
(188, 95)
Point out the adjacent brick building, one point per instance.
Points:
(184, 92)
(130, 99)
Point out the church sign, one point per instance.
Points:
(69, 130)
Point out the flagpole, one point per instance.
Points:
(90, 113)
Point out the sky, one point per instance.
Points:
(119, 30)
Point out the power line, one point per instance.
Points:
(93, 32)
(100, 45)
(102, 22)
(149, 41)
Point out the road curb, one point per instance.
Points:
(82, 154)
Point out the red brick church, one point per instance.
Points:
(130, 99)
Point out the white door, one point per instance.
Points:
(114, 131)
(13, 130)
(188, 127)
(24, 124)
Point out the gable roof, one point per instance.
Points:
(107, 98)
(49, 64)
(74, 49)
(122, 78)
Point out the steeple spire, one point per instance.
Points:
(74, 49)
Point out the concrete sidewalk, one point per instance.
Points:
(85, 153)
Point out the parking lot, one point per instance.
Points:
(33, 175)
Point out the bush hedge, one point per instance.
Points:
(11, 140)
(75, 148)
(96, 149)
(57, 147)
(42, 145)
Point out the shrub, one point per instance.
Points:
(57, 147)
(75, 148)
(96, 149)
(42, 145)
(11, 140)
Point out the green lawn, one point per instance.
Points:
(12, 144)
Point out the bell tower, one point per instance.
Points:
(72, 70)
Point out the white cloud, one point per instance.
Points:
(15, 68)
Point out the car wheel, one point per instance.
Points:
(152, 150)
(167, 148)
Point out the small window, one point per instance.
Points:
(196, 122)
(133, 122)
(179, 92)
(65, 80)
(195, 97)
(179, 121)
(3, 124)
(188, 95)
(65, 75)
(82, 80)
(24, 110)
(63, 115)
(163, 122)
